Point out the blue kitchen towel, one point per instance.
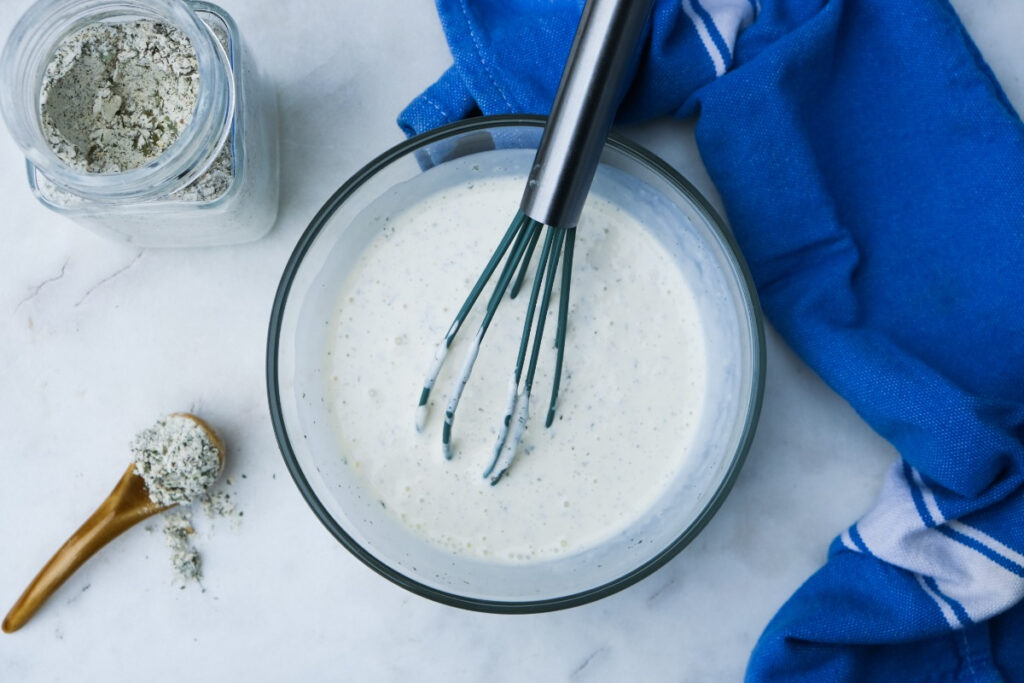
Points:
(873, 172)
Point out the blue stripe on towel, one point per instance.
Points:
(957, 608)
(716, 37)
(991, 554)
(858, 541)
(915, 493)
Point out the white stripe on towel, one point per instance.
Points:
(894, 531)
(728, 19)
(930, 503)
(717, 60)
(992, 543)
(847, 541)
(944, 607)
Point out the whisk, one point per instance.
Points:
(592, 85)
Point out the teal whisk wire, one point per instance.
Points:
(563, 318)
(506, 447)
(524, 266)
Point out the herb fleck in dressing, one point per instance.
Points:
(628, 412)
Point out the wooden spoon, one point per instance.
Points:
(127, 505)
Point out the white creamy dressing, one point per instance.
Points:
(630, 402)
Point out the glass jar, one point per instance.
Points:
(171, 200)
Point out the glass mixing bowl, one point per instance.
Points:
(673, 212)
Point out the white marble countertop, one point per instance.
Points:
(98, 339)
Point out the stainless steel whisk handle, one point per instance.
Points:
(592, 86)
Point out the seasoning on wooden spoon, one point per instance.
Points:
(179, 458)
(175, 461)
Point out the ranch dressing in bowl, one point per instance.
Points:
(628, 411)
(660, 393)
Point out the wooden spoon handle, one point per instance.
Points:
(127, 505)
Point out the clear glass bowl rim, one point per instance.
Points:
(309, 236)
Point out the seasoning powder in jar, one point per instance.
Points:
(116, 96)
(153, 129)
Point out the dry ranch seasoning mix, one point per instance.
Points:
(155, 129)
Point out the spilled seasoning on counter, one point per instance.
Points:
(219, 504)
(185, 562)
(180, 534)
